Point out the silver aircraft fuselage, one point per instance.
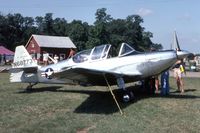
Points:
(90, 67)
(131, 68)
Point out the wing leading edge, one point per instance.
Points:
(93, 76)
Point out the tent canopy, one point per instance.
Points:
(5, 51)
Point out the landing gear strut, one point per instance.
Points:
(29, 87)
(127, 95)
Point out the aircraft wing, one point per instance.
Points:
(94, 76)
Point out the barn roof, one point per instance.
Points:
(5, 51)
(53, 41)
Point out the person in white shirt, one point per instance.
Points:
(45, 58)
(56, 58)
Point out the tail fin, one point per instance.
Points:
(22, 59)
(23, 64)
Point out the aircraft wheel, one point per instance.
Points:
(128, 96)
(29, 88)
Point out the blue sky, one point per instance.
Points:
(161, 17)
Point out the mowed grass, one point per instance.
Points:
(64, 108)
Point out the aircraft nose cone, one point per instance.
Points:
(182, 54)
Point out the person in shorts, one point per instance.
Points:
(178, 74)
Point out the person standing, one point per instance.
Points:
(156, 77)
(156, 84)
(178, 74)
(56, 58)
(45, 58)
(165, 83)
(71, 53)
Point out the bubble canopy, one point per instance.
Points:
(100, 52)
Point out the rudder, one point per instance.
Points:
(22, 58)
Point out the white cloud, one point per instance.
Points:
(185, 17)
(195, 40)
(144, 12)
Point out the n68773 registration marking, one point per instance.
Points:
(23, 63)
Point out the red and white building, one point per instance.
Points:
(53, 45)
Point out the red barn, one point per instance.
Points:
(39, 44)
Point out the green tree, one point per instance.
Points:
(101, 16)
(39, 21)
(3, 28)
(13, 30)
(78, 32)
(16, 30)
(28, 29)
(48, 24)
(134, 31)
(60, 27)
(98, 33)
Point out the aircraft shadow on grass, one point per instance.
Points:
(41, 89)
(101, 102)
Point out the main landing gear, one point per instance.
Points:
(127, 95)
(30, 86)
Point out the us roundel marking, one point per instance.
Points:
(48, 73)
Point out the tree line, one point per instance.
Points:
(16, 30)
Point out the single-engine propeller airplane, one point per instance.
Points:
(95, 67)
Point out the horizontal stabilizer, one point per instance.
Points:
(25, 69)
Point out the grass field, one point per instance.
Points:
(55, 108)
